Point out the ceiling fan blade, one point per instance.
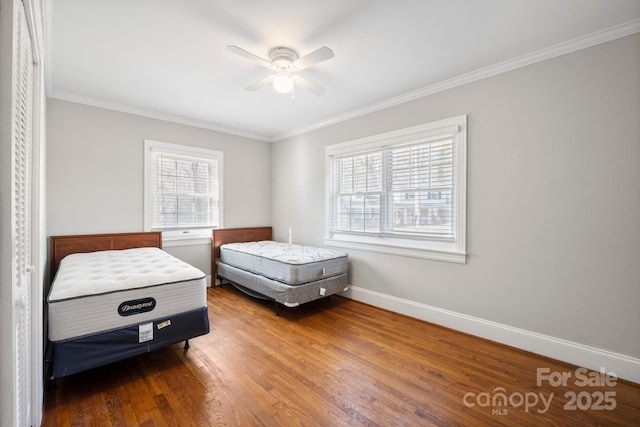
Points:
(315, 57)
(261, 83)
(308, 85)
(248, 55)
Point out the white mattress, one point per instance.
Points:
(286, 263)
(101, 291)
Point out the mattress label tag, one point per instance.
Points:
(145, 332)
(164, 324)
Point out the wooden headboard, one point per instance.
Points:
(232, 235)
(61, 246)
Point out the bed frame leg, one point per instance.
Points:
(186, 345)
(51, 384)
(277, 308)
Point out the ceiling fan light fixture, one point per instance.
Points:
(286, 63)
(283, 83)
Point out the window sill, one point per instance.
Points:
(186, 238)
(439, 252)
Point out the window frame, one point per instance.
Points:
(426, 247)
(183, 235)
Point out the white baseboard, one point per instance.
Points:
(624, 367)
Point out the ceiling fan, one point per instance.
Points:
(285, 63)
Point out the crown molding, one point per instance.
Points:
(65, 96)
(122, 108)
(559, 49)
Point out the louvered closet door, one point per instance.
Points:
(21, 216)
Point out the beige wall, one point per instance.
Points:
(553, 203)
(95, 175)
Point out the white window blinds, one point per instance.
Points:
(406, 189)
(421, 187)
(183, 187)
(404, 186)
(358, 193)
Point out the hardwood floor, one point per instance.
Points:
(331, 363)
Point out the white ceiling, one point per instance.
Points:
(168, 58)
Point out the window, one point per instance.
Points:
(401, 192)
(183, 190)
